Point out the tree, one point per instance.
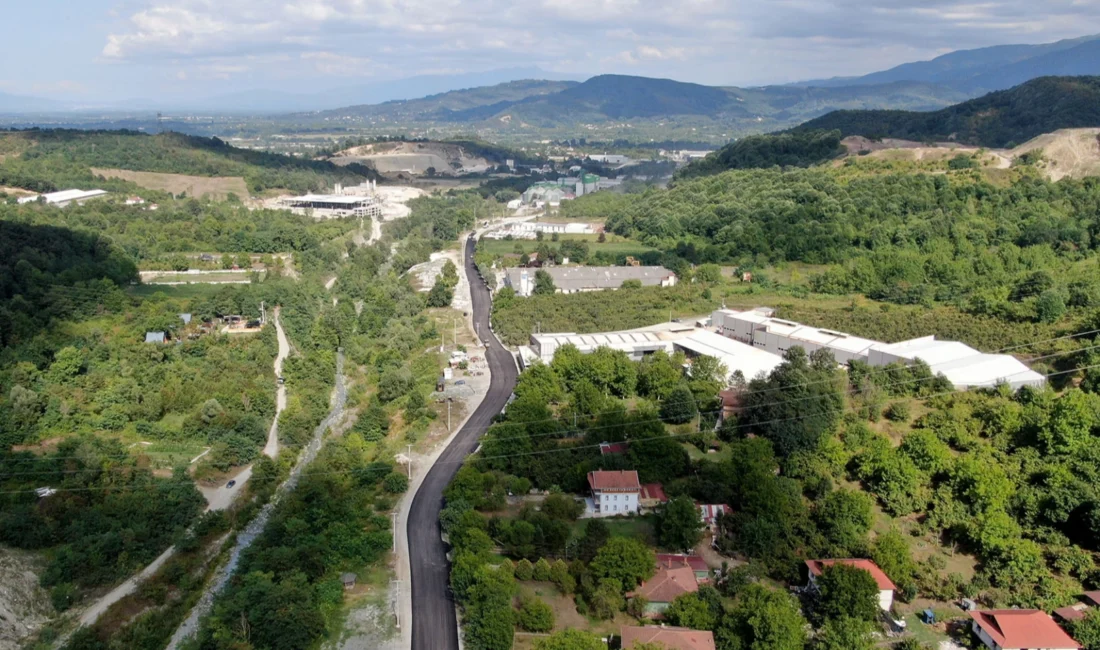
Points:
(1086, 631)
(845, 633)
(524, 569)
(847, 591)
(762, 619)
(596, 534)
(560, 576)
(1050, 306)
(488, 606)
(441, 293)
(658, 376)
(891, 553)
(544, 284)
(541, 570)
(626, 560)
(535, 616)
(692, 611)
(571, 639)
(810, 406)
(709, 273)
(680, 406)
(679, 525)
(844, 516)
(607, 599)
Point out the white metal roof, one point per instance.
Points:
(330, 198)
(929, 350)
(733, 354)
(988, 370)
(65, 196)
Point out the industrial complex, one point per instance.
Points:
(358, 201)
(575, 279)
(64, 197)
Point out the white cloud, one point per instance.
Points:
(715, 41)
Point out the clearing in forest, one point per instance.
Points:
(215, 187)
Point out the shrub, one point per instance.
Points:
(395, 483)
(524, 569)
(897, 412)
(535, 616)
(542, 570)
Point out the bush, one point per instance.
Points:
(535, 616)
(541, 570)
(897, 412)
(395, 483)
(524, 569)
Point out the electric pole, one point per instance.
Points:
(448, 414)
(394, 515)
(410, 461)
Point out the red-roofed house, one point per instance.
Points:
(697, 564)
(710, 511)
(1092, 598)
(1073, 612)
(672, 638)
(1020, 629)
(613, 448)
(614, 492)
(652, 495)
(664, 587)
(885, 585)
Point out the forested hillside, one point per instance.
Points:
(798, 149)
(47, 160)
(1000, 119)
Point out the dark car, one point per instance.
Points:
(281, 381)
(460, 382)
(231, 483)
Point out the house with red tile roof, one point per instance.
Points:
(614, 492)
(1074, 612)
(671, 638)
(709, 513)
(652, 496)
(886, 586)
(664, 587)
(674, 560)
(1019, 629)
(613, 448)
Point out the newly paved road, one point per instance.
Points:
(434, 626)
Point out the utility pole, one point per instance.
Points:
(454, 324)
(448, 414)
(263, 313)
(394, 515)
(396, 608)
(410, 463)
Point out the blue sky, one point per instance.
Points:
(104, 50)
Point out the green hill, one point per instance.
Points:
(1000, 119)
(46, 160)
(800, 149)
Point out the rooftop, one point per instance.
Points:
(654, 491)
(330, 198)
(577, 278)
(734, 355)
(614, 480)
(668, 583)
(672, 638)
(1016, 629)
(883, 582)
(672, 560)
(65, 196)
(609, 448)
(154, 337)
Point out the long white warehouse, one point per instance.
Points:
(964, 366)
(734, 355)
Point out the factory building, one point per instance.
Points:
(575, 279)
(334, 205)
(736, 356)
(64, 197)
(636, 344)
(964, 366)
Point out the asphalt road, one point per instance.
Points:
(434, 626)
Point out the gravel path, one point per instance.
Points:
(245, 539)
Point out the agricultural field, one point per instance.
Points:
(212, 187)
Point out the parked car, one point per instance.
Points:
(231, 483)
(281, 380)
(460, 382)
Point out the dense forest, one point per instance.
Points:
(1025, 251)
(1004, 118)
(48, 160)
(799, 149)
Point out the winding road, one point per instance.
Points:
(434, 622)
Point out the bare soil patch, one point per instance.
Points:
(216, 187)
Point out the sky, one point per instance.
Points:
(114, 50)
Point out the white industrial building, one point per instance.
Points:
(964, 366)
(334, 205)
(64, 197)
(635, 344)
(530, 229)
(575, 279)
(734, 355)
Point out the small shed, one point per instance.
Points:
(154, 337)
(186, 318)
(348, 579)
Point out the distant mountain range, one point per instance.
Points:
(1000, 119)
(987, 69)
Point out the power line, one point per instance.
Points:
(572, 447)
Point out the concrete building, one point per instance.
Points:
(530, 229)
(614, 492)
(885, 585)
(575, 279)
(963, 366)
(334, 205)
(609, 159)
(760, 329)
(1019, 629)
(734, 355)
(64, 197)
(636, 344)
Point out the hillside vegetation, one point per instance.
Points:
(800, 149)
(48, 160)
(1000, 119)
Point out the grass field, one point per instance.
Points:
(200, 278)
(216, 187)
(176, 290)
(170, 454)
(638, 527)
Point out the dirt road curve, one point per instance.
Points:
(271, 449)
(434, 625)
